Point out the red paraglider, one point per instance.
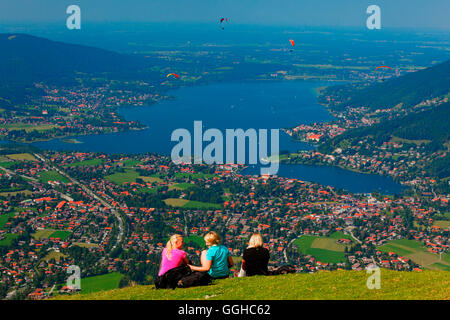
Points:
(222, 20)
(173, 74)
(292, 43)
(383, 67)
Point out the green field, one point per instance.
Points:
(6, 164)
(335, 285)
(444, 224)
(85, 244)
(131, 162)
(21, 156)
(175, 202)
(91, 162)
(120, 178)
(416, 142)
(28, 127)
(5, 217)
(54, 255)
(14, 193)
(190, 204)
(417, 252)
(340, 235)
(107, 281)
(50, 233)
(323, 249)
(181, 186)
(44, 233)
(151, 179)
(202, 205)
(62, 234)
(9, 238)
(46, 176)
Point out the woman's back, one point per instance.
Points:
(256, 261)
(218, 254)
(176, 259)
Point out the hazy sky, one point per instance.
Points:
(415, 14)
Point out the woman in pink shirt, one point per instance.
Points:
(172, 255)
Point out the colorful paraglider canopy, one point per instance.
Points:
(292, 42)
(383, 67)
(173, 74)
(223, 19)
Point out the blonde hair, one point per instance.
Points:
(256, 240)
(171, 244)
(212, 238)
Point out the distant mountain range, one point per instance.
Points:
(409, 89)
(25, 59)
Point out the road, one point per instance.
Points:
(284, 252)
(92, 194)
(353, 236)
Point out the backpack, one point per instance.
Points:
(170, 279)
(197, 278)
(283, 270)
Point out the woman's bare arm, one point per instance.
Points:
(205, 267)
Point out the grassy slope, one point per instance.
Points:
(322, 285)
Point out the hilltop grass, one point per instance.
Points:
(105, 282)
(333, 285)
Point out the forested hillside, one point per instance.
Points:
(409, 90)
(430, 128)
(25, 59)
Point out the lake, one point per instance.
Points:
(336, 177)
(258, 105)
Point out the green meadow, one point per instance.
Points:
(418, 253)
(46, 176)
(323, 249)
(334, 285)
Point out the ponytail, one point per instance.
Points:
(171, 244)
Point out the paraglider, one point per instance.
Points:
(221, 22)
(173, 74)
(383, 67)
(292, 43)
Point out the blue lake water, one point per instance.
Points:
(336, 177)
(255, 105)
(258, 105)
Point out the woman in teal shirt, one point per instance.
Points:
(216, 260)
